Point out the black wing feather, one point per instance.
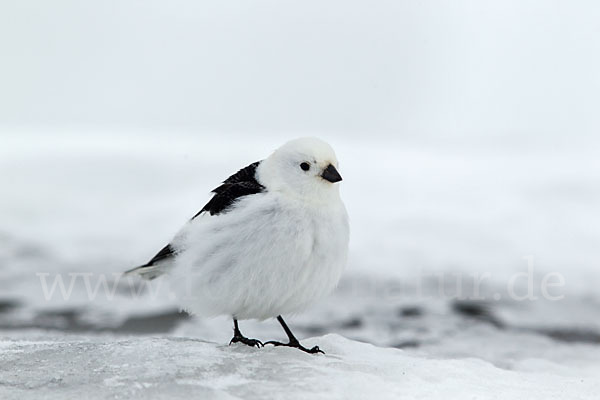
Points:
(166, 252)
(242, 183)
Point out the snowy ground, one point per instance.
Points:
(426, 221)
(153, 367)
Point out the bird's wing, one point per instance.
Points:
(242, 183)
(165, 253)
(155, 267)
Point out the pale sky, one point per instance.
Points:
(404, 68)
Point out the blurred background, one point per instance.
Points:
(467, 134)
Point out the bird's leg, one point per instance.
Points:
(293, 342)
(238, 337)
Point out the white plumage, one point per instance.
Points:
(270, 253)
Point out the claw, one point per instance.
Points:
(274, 343)
(298, 346)
(246, 341)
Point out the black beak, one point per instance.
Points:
(331, 174)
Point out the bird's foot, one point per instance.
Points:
(297, 345)
(246, 341)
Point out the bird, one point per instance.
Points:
(272, 240)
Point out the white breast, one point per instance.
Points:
(269, 256)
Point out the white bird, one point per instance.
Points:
(272, 240)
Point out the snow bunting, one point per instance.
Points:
(272, 240)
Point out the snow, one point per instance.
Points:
(389, 329)
(467, 134)
(155, 367)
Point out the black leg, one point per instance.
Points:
(293, 342)
(238, 337)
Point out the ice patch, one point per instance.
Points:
(107, 367)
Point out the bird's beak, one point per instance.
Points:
(331, 174)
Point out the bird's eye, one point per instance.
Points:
(305, 166)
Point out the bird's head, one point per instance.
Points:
(306, 168)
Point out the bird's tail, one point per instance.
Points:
(147, 271)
